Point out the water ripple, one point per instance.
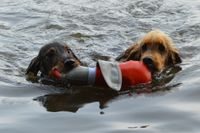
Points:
(97, 29)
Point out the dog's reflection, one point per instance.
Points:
(74, 100)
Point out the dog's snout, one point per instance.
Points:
(69, 62)
(148, 61)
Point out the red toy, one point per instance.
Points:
(117, 76)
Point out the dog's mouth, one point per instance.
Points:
(65, 66)
(58, 70)
(150, 64)
(69, 63)
(151, 67)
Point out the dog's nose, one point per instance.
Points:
(148, 61)
(69, 62)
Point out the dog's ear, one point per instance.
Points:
(132, 53)
(33, 67)
(174, 57)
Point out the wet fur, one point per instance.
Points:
(155, 45)
(52, 55)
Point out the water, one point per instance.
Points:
(96, 29)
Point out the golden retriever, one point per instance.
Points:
(155, 49)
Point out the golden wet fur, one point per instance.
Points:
(155, 49)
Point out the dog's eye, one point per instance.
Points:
(69, 51)
(161, 48)
(144, 47)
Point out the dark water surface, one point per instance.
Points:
(96, 29)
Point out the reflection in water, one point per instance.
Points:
(73, 101)
(76, 98)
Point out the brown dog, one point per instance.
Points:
(53, 55)
(155, 49)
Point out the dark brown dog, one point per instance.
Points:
(53, 55)
(155, 49)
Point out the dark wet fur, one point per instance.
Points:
(50, 56)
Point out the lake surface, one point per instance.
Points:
(96, 29)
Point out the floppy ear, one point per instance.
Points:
(132, 53)
(174, 57)
(33, 67)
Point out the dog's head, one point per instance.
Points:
(53, 55)
(155, 49)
